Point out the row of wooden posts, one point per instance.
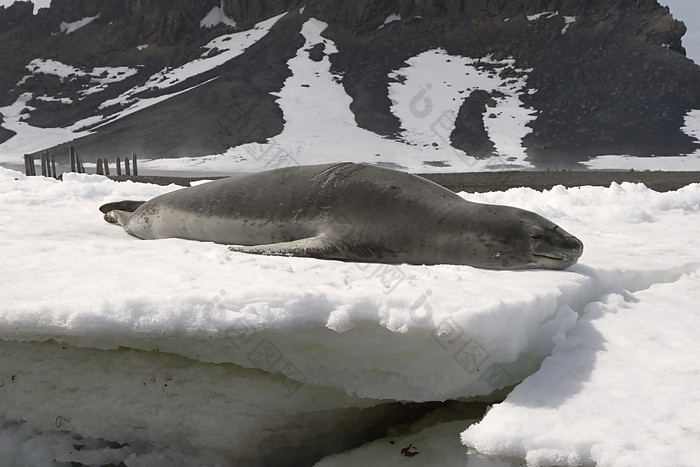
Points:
(48, 165)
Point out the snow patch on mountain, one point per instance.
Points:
(691, 125)
(217, 16)
(320, 127)
(99, 75)
(75, 25)
(568, 20)
(544, 14)
(218, 51)
(390, 19)
(29, 138)
(428, 93)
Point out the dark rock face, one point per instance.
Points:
(615, 81)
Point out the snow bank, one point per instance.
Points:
(616, 391)
(178, 349)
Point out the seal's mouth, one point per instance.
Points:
(553, 258)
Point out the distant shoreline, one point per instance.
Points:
(477, 182)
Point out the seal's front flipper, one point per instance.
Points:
(313, 247)
(129, 206)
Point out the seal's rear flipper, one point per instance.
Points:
(129, 206)
(117, 216)
(313, 247)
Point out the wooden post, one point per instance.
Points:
(32, 167)
(134, 166)
(106, 167)
(119, 166)
(43, 164)
(73, 161)
(27, 170)
(53, 166)
(78, 162)
(100, 170)
(127, 172)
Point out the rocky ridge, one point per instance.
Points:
(605, 77)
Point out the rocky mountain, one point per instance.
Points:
(567, 80)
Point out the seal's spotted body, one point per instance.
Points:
(353, 212)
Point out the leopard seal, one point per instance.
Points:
(352, 212)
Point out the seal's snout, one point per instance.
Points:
(555, 248)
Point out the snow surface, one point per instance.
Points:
(157, 346)
(618, 389)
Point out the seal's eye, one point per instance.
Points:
(536, 236)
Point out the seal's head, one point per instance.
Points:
(552, 247)
(513, 238)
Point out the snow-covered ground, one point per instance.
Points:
(167, 351)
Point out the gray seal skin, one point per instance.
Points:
(353, 212)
